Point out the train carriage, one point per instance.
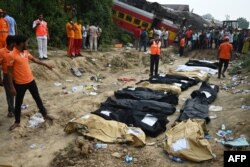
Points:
(128, 18)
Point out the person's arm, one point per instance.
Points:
(10, 80)
(41, 63)
(35, 24)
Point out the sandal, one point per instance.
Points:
(14, 126)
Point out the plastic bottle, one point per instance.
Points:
(176, 159)
(100, 145)
(128, 159)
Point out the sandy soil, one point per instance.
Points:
(55, 148)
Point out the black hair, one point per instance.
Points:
(20, 39)
(10, 39)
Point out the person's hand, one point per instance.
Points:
(13, 91)
(49, 67)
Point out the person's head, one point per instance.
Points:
(21, 42)
(10, 41)
(226, 38)
(1, 13)
(41, 17)
(70, 20)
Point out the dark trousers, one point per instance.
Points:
(143, 44)
(221, 62)
(181, 50)
(9, 97)
(20, 92)
(154, 64)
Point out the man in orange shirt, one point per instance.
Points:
(4, 30)
(155, 50)
(4, 59)
(21, 78)
(78, 37)
(225, 53)
(42, 36)
(70, 29)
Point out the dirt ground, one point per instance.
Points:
(48, 145)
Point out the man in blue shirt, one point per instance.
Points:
(12, 24)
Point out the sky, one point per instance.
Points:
(217, 8)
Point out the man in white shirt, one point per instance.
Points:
(42, 35)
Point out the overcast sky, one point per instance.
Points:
(217, 8)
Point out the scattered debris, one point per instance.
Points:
(215, 108)
(100, 145)
(175, 159)
(128, 159)
(117, 155)
(24, 106)
(76, 72)
(36, 120)
(77, 89)
(58, 84)
(245, 107)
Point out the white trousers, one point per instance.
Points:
(42, 46)
(93, 40)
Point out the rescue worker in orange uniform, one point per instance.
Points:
(155, 55)
(70, 29)
(224, 54)
(182, 45)
(4, 29)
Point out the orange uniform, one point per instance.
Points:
(182, 42)
(42, 28)
(22, 73)
(155, 48)
(78, 31)
(4, 31)
(4, 59)
(225, 50)
(70, 30)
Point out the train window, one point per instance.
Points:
(114, 12)
(137, 21)
(144, 24)
(129, 18)
(121, 15)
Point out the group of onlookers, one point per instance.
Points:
(142, 37)
(80, 36)
(212, 38)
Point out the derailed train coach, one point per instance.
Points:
(129, 17)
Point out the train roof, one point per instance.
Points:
(142, 12)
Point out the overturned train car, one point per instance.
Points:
(128, 18)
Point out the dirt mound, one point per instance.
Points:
(83, 153)
(208, 54)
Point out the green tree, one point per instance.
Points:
(243, 23)
(25, 12)
(96, 11)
